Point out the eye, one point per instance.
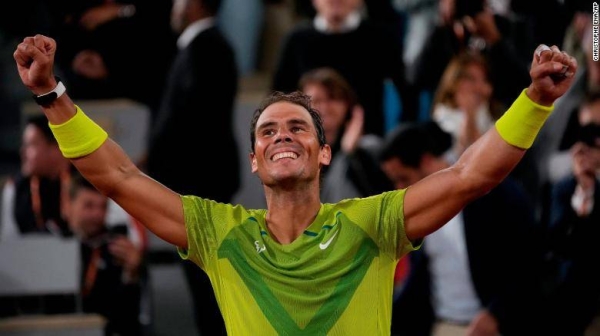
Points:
(296, 129)
(268, 132)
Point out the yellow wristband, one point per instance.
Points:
(78, 136)
(522, 122)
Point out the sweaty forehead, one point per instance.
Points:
(283, 112)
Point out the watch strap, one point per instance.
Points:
(49, 97)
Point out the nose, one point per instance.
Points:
(283, 135)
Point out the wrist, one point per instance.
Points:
(47, 94)
(520, 124)
(536, 97)
(46, 88)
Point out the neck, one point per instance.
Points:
(290, 212)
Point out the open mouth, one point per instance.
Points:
(284, 155)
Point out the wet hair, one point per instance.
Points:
(296, 97)
(410, 141)
(41, 122)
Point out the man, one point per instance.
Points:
(300, 266)
(574, 219)
(458, 280)
(112, 265)
(201, 90)
(33, 201)
(362, 50)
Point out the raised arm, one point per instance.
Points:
(100, 160)
(434, 200)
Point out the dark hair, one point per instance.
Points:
(296, 97)
(212, 6)
(78, 183)
(335, 84)
(41, 122)
(409, 142)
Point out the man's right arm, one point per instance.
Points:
(107, 167)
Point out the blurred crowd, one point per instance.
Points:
(403, 88)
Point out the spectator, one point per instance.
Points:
(112, 265)
(201, 90)
(458, 282)
(35, 199)
(362, 50)
(101, 40)
(574, 218)
(353, 171)
(463, 105)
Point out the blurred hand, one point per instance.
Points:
(552, 72)
(126, 254)
(35, 63)
(354, 130)
(484, 26)
(469, 102)
(447, 9)
(585, 164)
(99, 15)
(484, 324)
(89, 63)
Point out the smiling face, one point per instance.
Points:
(287, 147)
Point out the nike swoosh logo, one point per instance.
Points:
(325, 245)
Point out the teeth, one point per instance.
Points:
(278, 156)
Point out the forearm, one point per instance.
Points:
(486, 163)
(490, 159)
(104, 163)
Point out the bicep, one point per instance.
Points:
(154, 205)
(432, 202)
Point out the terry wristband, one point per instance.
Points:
(78, 136)
(521, 123)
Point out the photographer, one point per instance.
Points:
(573, 252)
(112, 265)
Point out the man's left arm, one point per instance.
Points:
(434, 200)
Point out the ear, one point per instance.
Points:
(325, 155)
(253, 164)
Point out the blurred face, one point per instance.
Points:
(473, 85)
(87, 213)
(38, 156)
(336, 10)
(179, 20)
(287, 148)
(590, 114)
(400, 174)
(332, 111)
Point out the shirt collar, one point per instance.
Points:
(193, 30)
(351, 22)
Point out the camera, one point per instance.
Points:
(118, 230)
(590, 135)
(467, 8)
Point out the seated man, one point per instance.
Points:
(112, 265)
